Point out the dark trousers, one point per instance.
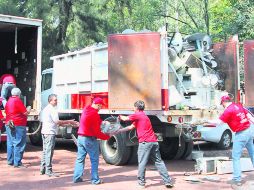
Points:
(150, 150)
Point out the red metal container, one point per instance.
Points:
(134, 70)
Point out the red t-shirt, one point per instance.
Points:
(90, 123)
(15, 110)
(7, 78)
(235, 116)
(1, 120)
(144, 127)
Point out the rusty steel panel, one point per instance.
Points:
(134, 70)
(226, 56)
(248, 46)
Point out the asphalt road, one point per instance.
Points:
(114, 177)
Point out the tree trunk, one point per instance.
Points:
(206, 15)
(191, 17)
(65, 7)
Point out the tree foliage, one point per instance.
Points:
(73, 24)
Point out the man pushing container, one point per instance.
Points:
(148, 145)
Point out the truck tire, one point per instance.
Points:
(168, 148)
(133, 160)
(35, 139)
(188, 149)
(225, 141)
(181, 149)
(114, 151)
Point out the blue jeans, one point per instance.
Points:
(151, 150)
(86, 145)
(47, 153)
(5, 91)
(242, 139)
(16, 144)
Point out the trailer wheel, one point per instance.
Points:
(3, 145)
(168, 148)
(115, 151)
(225, 141)
(181, 149)
(188, 149)
(35, 139)
(133, 160)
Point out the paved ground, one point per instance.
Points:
(114, 177)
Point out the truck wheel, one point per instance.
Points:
(134, 156)
(115, 151)
(168, 148)
(3, 145)
(181, 149)
(35, 139)
(188, 149)
(225, 141)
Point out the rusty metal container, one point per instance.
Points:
(134, 70)
(248, 72)
(226, 55)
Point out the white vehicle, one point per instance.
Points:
(222, 135)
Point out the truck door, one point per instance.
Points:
(46, 86)
(226, 55)
(134, 70)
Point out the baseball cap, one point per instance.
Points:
(98, 101)
(225, 98)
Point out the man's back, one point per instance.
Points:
(15, 110)
(235, 116)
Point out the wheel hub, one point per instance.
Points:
(111, 146)
(226, 140)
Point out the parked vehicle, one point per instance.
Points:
(178, 78)
(20, 47)
(221, 135)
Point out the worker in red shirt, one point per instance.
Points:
(7, 82)
(88, 133)
(1, 104)
(16, 121)
(1, 123)
(148, 145)
(239, 120)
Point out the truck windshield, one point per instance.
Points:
(46, 81)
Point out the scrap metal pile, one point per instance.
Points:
(193, 75)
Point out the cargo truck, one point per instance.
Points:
(181, 80)
(21, 46)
